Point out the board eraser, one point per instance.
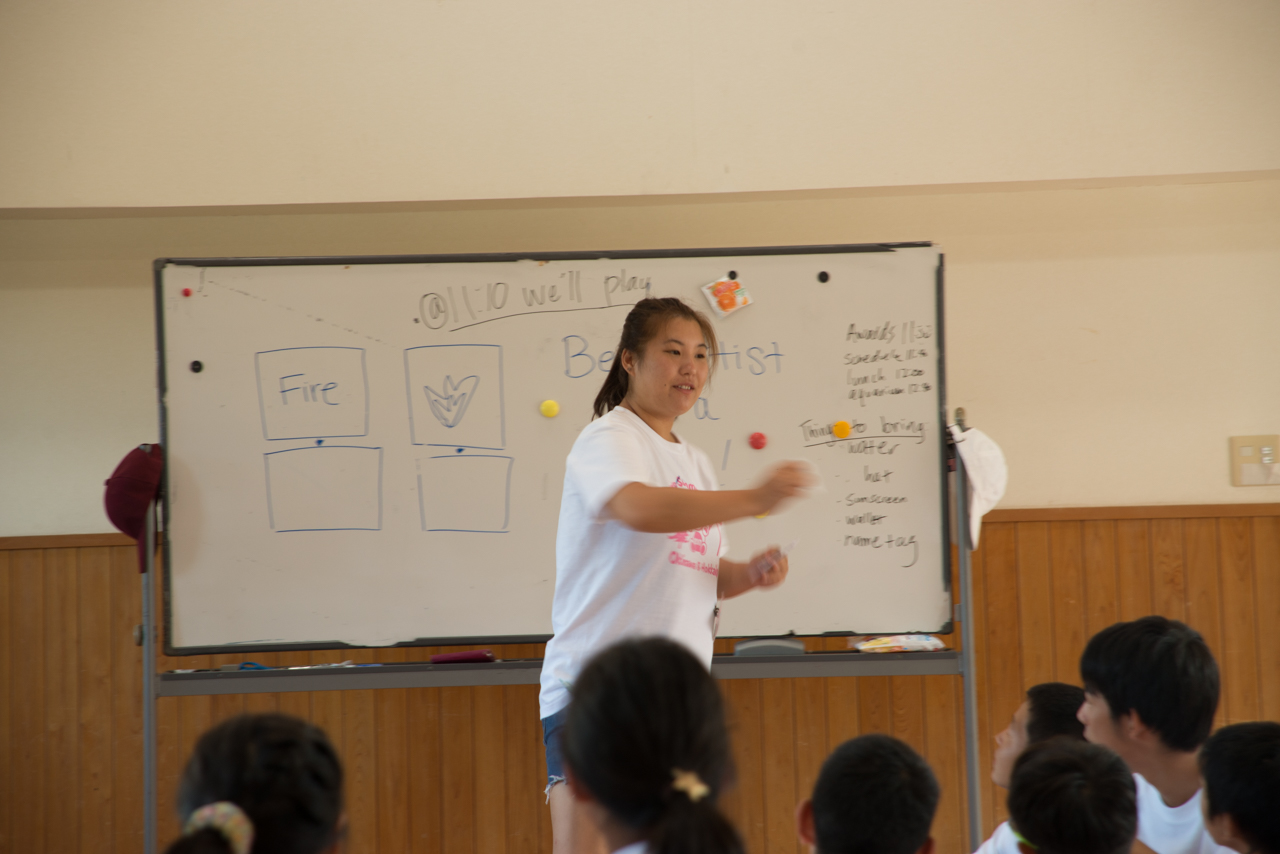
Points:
(769, 646)
(470, 655)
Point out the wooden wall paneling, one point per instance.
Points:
(94, 692)
(1239, 661)
(1066, 564)
(526, 770)
(1204, 595)
(1102, 592)
(1003, 683)
(811, 732)
(1168, 567)
(392, 761)
(360, 766)
(1035, 603)
(26, 626)
(426, 783)
(126, 667)
(7, 693)
(944, 750)
(982, 678)
(745, 801)
(489, 732)
(326, 706)
(169, 764)
(841, 710)
(1133, 567)
(1266, 563)
(906, 695)
(779, 775)
(296, 703)
(256, 704)
(874, 713)
(458, 770)
(61, 687)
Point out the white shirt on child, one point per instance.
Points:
(613, 582)
(1001, 842)
(1172, 830)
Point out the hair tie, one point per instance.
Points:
(226, 818)
(689, 783)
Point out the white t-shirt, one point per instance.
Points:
(1172, 830)
(613, 582)
(1001, 842)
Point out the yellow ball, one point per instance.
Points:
(549, 408)
(841, 429)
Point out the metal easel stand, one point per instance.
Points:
(969, 673)
(149, 687)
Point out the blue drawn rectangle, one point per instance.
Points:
(313, 392)
(465, 493)
(456, 396)
(324, 488)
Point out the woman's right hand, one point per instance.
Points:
(785, 480)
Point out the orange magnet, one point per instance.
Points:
(841, 429)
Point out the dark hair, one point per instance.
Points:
(643, 322)
(1241, 769)
(1051, 708)
(1073, 797)
(1160, 668)
(280, 770)
(874, 795)
(641, 712)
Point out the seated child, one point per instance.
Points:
(1072, 797)
(1240, 765)
(1049, 710)
(646, 751)
(874, 795)
(261, 783)
(1151, 688)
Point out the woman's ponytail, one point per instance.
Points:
(615, 387)
(644, 321)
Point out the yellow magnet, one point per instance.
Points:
(549, 408)
(841, 429)
(762, 515)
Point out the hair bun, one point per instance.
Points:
(226, 818)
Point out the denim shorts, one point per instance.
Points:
(551, 727)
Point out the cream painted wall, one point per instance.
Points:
(239, 102)
(1109, 339)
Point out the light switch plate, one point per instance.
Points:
(1255, 460)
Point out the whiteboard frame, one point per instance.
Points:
(160, 264)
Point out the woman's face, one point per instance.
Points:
(669, 376)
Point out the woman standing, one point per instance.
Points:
(640, 541)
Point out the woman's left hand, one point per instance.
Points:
(774, 564)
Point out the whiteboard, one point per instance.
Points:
(356, 453)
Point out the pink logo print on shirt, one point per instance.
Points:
(695, 541)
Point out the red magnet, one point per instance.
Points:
(186, 292)
(758, 440)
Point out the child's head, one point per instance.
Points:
(874, 795)
(1240, 765)
(1156, 669)
(1049, 710)
(281, 772)
(645, 739)
(1072, 797)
